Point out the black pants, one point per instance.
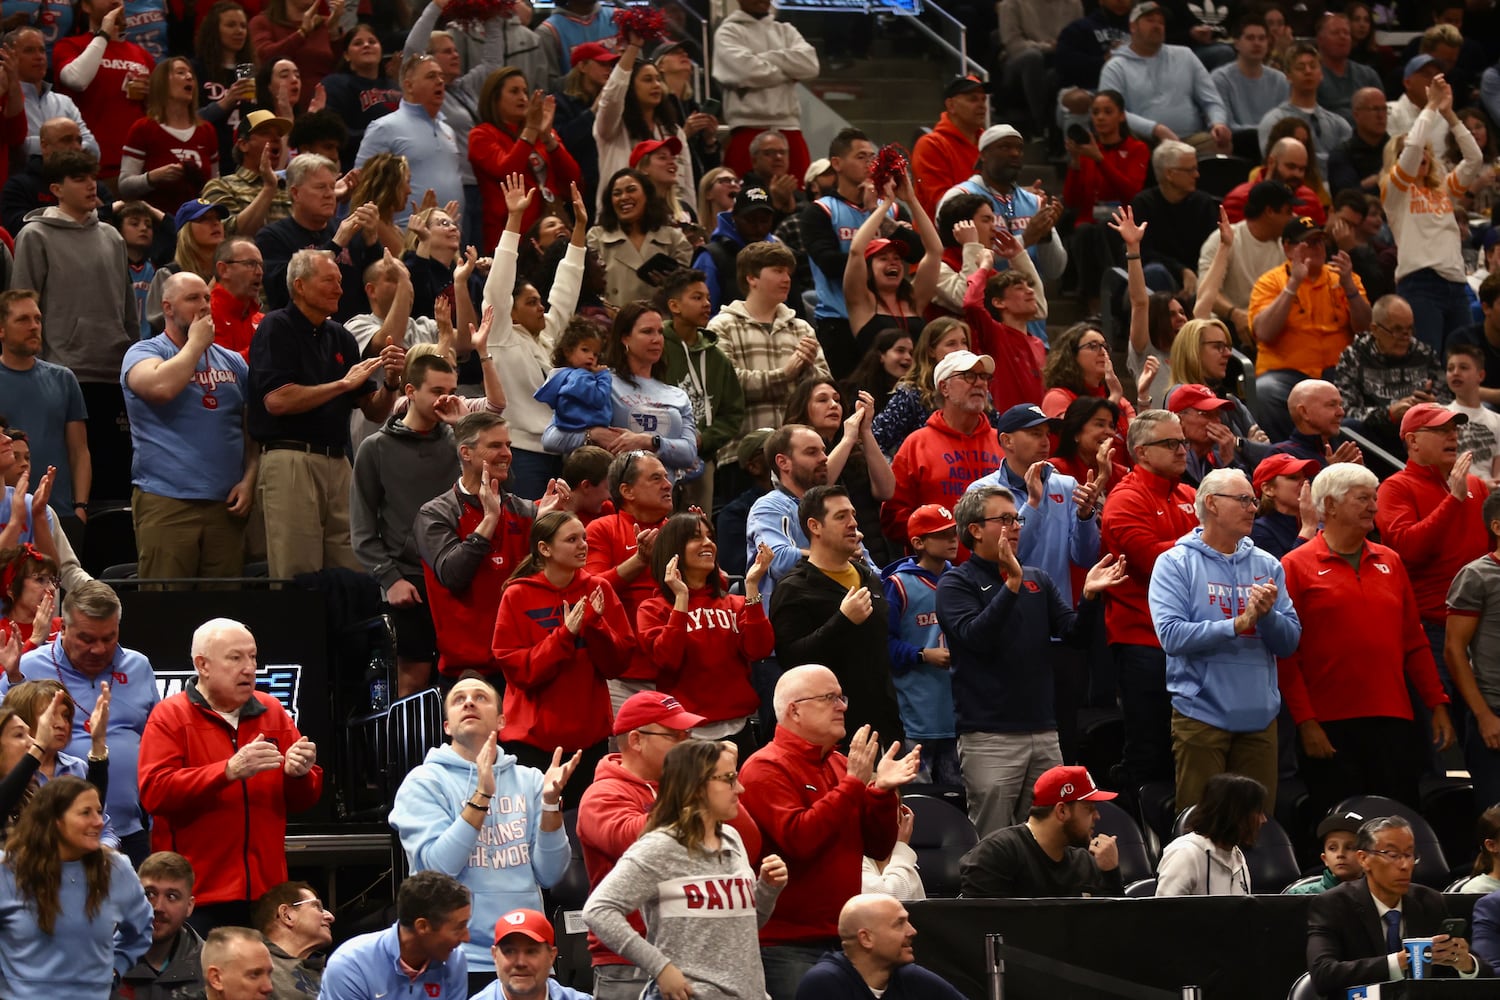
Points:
(1147, 709)
(110, 449)
(207, 916)
(839, 348)
(541, 759)
(1373, 758)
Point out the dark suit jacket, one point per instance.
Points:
(1485, 930)
(1346, 939)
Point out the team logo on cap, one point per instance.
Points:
(515, 918)
(943, 511)
(756, 194)
(1066, 790)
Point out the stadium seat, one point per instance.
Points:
(1272, 862)
(108, 540)
(1136, 861)
(1158, 802)
(1220, 174)
(1100, 740)
(1450, 806)
(1143, 889)
(1303, 881)
(574, 966)
(1302, 989)
(940, 836)
(1432, 868)
(414, 725)
(1457, 885)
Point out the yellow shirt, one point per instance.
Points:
(1317, 326)
(848, 578)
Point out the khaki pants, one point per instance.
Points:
(1203, 751)
(186, 538)
(700, 492)
(305, 499)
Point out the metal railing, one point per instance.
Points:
(960, 51)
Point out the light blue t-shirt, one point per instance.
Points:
(146, 26)
(192, 448)
(42, 402)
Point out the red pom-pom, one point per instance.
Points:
(472, 13)
(888, 167)
(643, 20)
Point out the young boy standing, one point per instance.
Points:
(137, 223)
(919, 656)
(1338, 835)
(1481, 435)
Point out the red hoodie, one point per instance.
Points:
(1117, 177)
(936, 464)
(611, 817)
(703, 654)
(823, 822)
(611, 542)
(1434, 534)
(1018, 355)
(555, 690)
(1144, 517)
(942, 158)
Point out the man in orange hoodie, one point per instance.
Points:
(947, 155)
(937, 463)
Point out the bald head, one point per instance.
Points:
(1288, 162)
(1316, 407)
(57, 134)
(800, 682)
(865, 911)
(184, 298)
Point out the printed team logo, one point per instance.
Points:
(515, 918)
(1186, 508)
(434, 989)
(547, 618)
(1056, 497)
(1383, 568)
(118, 678)
(1032, 586)
(210, 402)
(1066, 790)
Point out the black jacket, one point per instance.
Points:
(811, 629)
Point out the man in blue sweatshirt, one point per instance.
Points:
(999, 619)
(1223, 616)
(419, 955)
(1168, 92)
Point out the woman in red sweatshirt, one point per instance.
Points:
(702, 639)
(559, 636)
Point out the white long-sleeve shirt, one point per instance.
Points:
(1421, 218)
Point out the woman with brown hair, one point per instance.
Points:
(297, 30)
(170, 153)
(385, 179)
(222, 46)
(1078, 365)
(360, 91)
(72, 911)
(688, 841)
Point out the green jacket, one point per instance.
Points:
(705, 374)
(1328, 881)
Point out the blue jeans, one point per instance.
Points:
(1458, 709)
(1147, 709)
(786, 964)
(1438, 306)
(530, 471)
(1271, 392)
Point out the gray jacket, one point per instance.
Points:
(293, 977)
(395, 472)
(181, 979)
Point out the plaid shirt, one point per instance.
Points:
(236, 191)
(759, 352)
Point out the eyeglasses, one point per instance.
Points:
(973, 378)
(831, 698)
(728, 777)
(254, 265)
(1005, 520)
(316, 903)
(674, 737)
(1399, 331)
(1187, 170)
(1093, 345)
(45, 581)
(443, 223)
(1171, 444)
(1222, 346)
(1398, 859)
(726, 179)
(1245, 500)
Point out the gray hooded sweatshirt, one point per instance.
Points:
(396, 471)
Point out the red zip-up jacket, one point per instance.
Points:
(703, 654)
(555, 690)
(936, 464)
(823, 822)
(1119, 176)
(1368, 641)
(233, 832)
(495, 154)
(612, 541)
(611, 816)
(942, 158)
(1144, 517)
(1018, 355)
(1433, 532)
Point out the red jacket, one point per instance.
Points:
(611, 542)
(495, 154)
(233, 832)
(936, 464)
(555, 691)
(703, 654)
(1305, 201)
(1018, 355)
(1368, 642)
(1432, 532)
(1119, 177)
(823, 822)
(1144, 517)
(611, 817)
(940, 159)
(235, 320)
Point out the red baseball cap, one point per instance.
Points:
(1196, 397)
(1425, 415)
(528, 922)
(1067, 784)
(645, 149)
(929, 518)
(1282, 465)
(654, 708)
(591, 52)
(880, 244)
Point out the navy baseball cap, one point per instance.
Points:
(1020, 417)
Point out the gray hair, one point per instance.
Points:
(1165, 152)
(1213, 483)
(94, 600)
(210, 630)
(304, 165)
(1143, 427)
(759, 142)
(1380, 312)
(1371, 829)
(303, 264)
(970, 509)
(471, 425)
(791, 685)
(1335, 482)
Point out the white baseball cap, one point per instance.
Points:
(995, 133)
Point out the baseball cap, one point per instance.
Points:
(1299, 229)
(654, 708)
(995, 133)
(751, 198)
(1140, 10)
(881, 244)
(1416, 64)
(1282, 465)
(645, 149)
(1020, 417)
(962, 361)
(1340, 822)
(929, 518)
(1425, 415)
(191, 211)
(962, 85)
(1196, 397)
(1067, 784)
(752, 444)
(591, 52)
(816, 169)
(665, 47)
(1490, 238)
(256, 119)
(528, 922)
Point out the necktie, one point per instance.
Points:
(1392, 931)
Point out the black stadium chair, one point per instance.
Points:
(1143, 889)
(1272, 861)
(1218, 175)
(574, 966)
(1302, 989)
(1158, 803)
(1304, 880)
(1136, 861)
(940, 835)
(1432, 868)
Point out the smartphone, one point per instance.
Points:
(1454, 927)
(1079, 134)
(712, 106)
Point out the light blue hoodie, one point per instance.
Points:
(1053, 537)
(773, 520)
(504, 863)
(1215, 676)
(646, 406)
(1171, 88)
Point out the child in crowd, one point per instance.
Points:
(137, 222)
(1338, 834)
(919, 656)
(586, 471)
(1481, 435)
(578, 388)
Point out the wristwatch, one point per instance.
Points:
(656, 442)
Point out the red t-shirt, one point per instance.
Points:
(103, 104)
(149, 142)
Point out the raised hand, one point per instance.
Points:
(98, 722)
(760, 567)
(479, 338)
(964, 231)
(555, 497)
(41, 495)
(556, 777)
(484, 766)
(1104, 574)
(1458, 479)
(673, 579)
(862, 750)
(857, 605)
(260, 754)
(1006, 245)
(773, 870)
(300, 757)
(1036, 485)
(517, 198)
(573, 616)
(1123, 222)
(893, 772)
(489, 495)
(10, 658)
(1226, 230)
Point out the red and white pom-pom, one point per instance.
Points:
(470, 14)
(888, 167)
(643, 20)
